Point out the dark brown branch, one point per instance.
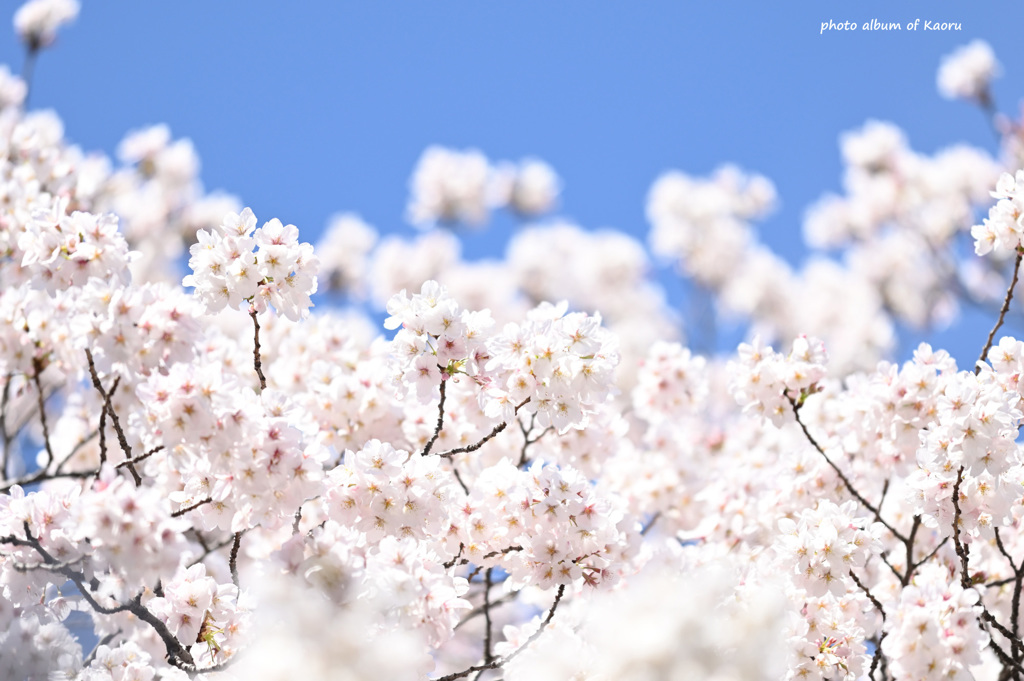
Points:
(440, 421)
(102, 642)
(486, 438)
(931, 554)
(103, 436)
(492, 554)
(140, 457)
(233, 560)
(6, 437)
(37, 370)
(1002, 311)
(1017, 650)
(1000, 653)
(116, 422)
(650, 523)
(448, 565)
(488, 654)
(477, 445)
(178, 655)
(842, 476)
(455, 472)
(182, 511)
(892, 568)
(527, 441)
(962, 550)
(877, 657)
(495, 664)
(207, 550)
(908, 543)
(41, 474)
(494, 604)
(257, 363)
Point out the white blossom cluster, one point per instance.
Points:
(37, 21)
(225, 272)
(450, 186)
(968, 71)
(937, 634)
(1004, 226)
(765, 381)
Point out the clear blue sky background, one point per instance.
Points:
(306, 109)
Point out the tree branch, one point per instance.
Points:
(440, 421)
(1002, 311)
(257, 363)
(495, 664)
(842, 476)
(121, 439)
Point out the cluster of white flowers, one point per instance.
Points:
(968, 71)
(1003, 228)
(765, 381)
(62, 251)
(237, 456)
(824, 544)
(558, 365)
(196, 608)
(437, 339)
(544, 526)
(450, 186)
(226, 273)
(935, 633)
(973, 440)
(37, 21)
(383, 492)
(704, 223)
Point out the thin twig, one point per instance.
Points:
(511, 596)
(528, 441)
(6, 443)
(876, 658)
(102, 642)
(962, 550)
(488, 654)
(1018, 576)
(458, 478)
(440, 421)
(121, 439)
(477, 445)
(486, 438)
(233, 560)
(842, 476)
(37, 370)
(178, 655)
(140, 457)
(256, 349)
(495, 664)
(41, 475)
(650, 523)
(1002, 311)
(182, 511)
(207, 550)
(931, 554)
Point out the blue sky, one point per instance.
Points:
(307, 109)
